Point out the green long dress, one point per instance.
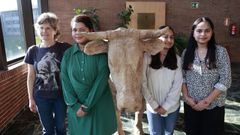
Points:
(85, 82)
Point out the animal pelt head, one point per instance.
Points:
(125, 50)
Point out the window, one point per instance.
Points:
(17, 19)
(36, 12)
(13, 36)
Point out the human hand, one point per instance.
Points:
(190, 101)
(201, 105)
(80, 112)
(160, 110)
(157, 109)
(32, 106)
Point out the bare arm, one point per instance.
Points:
(189, 100)
(203, 104)
(30, 82)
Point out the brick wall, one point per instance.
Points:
(13, 91)
(106, 9)
(179, 15)
(13, 94)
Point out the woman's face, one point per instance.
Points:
(46, 32)
(202, 33)
(168, 39)
(77, 28)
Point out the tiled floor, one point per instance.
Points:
(27, 123)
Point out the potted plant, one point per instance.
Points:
(92, 13)
(125, 17)
(180, 42)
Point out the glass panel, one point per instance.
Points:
(36, 12)
(14, 41)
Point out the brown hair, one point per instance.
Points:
(51, 19)
(86, 20)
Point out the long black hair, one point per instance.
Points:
(210, 58)
(170, 60)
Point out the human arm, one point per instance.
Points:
(100, 85)
(173, 96)
(203, 104)
(145, 90)
(188, 100)
(224, 71)
(31, 76)
(69, 93)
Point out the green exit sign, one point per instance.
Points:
(195, 5)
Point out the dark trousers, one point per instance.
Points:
(206, 122)
(52, 114)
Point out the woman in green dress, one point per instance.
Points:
(85, 86)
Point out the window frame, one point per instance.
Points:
(26, 16)
(3, 59)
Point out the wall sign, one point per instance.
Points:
(195, 5)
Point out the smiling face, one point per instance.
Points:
(203, 33)
(168, 39)
(46, 32)
(77, 28)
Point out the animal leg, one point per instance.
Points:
(138, 129)
(119, 122)
(118, 113)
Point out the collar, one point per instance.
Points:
(76, 48)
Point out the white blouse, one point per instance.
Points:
(162, 86)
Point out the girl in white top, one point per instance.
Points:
(162, 81)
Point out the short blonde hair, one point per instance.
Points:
(51, 19)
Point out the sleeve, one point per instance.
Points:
(173, 96)
(29, 57)
(183, 71)
(224, 70)
(146, 92)
(100, 85)
(69, 94)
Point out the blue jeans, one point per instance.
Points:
(52, 114)
(159, 125)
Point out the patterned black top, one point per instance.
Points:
(46, 62)
(201, 81)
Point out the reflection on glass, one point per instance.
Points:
(14, 41)
(36, 12)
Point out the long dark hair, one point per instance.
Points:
(210, 58)
(170, 60)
